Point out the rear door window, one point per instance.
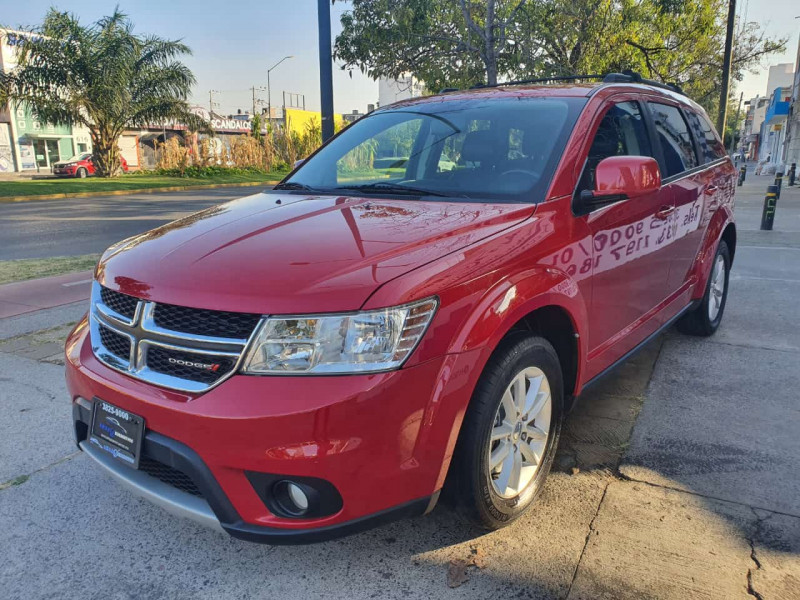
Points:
(673, 134)
(711, 147)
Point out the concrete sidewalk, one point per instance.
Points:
(36, 294)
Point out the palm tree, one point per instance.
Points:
(103, 77)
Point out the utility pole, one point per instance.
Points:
(255, 89)
(726, 70)
(211, 99)
(325, 68)
(738, 110)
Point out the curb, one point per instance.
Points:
(171, 188)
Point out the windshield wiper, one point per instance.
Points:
(393, 188)
(293, 185)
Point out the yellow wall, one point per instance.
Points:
(298, 120)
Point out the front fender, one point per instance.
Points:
(493, 316)
(511, 299)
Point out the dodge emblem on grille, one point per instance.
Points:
(196, 365)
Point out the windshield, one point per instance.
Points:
(502, 149)
(79, 157)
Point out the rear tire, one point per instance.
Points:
(510, 432)
(81, 174)
(704, 320)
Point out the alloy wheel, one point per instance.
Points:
(520, 432)
(716, 288)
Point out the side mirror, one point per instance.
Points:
(618, 177)
(297, 163)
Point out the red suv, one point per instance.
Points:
(414, 308)
(81, 166)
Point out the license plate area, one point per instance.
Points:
(117, 432)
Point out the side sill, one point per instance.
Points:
(638, 348)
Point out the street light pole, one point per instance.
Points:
(269, 94)
(726, 70)
(325, 68)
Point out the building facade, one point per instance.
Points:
(25, 143)
(792, 141)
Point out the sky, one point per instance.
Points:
(234, 43)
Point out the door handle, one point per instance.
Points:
(664, 212)
(711, 190)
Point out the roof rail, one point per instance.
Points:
(628, 76)
(537, 80)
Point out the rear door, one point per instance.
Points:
(629, 275)
(712, 182)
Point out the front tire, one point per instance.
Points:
(82, 173)
(704, 320)
(510, 432)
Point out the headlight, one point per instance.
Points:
(70, 164)
(363, 342)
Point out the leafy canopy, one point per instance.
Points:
(101, 76)
(458, 43)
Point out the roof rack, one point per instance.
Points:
(626, 76)
(537, 80)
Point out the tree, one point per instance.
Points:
(102, 76)
(441, 42)
(463, 42)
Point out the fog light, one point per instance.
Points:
(298, 497)
(291, 498)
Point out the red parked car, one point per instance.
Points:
(414, 308)
(80, 166)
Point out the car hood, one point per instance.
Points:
(282, 253)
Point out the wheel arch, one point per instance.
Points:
(729, 237)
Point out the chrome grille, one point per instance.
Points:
(163, 344)
(120, 303)
(205, 322)
(117, 344)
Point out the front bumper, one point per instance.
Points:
(65, 171)
(382, 440)
(214, 505)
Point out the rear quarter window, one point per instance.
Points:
(711, 147)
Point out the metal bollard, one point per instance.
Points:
(792, 171)
(768, 216)
(742, 171)
(778, 182)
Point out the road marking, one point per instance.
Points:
(768, 247)
(748, 278)
(77, 283)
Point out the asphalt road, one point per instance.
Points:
(45, 228)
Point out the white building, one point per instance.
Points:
(792, 147)
(25, 143)
(394, 90)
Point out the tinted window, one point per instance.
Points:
(675, 140)
(500, 148)
(711, 147)
(622, 132)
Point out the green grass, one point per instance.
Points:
(33, 268)
(9, 189)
